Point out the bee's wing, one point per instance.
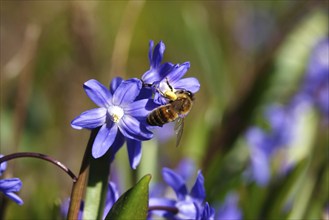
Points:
(179, 128)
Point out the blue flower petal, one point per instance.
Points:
(229, 210)
(189, 84)
(111, 197)
(157, 70)
(164, 70)
(134, 152)
(154, 202)
(162, 202)
(104, 139)
(153, 76)
(256, 138)
(187, 210)
(145, 93)
(90, 119)
(3, 166)
(198, 191)
(131, 128)
(159, 99)
(9, 186)
(177, 72)
(157, 54)
(151, 44)
(115, 84)
(127, 92)
(15, 198)
(186, 168)
(98, 93)
(150, 76)
(117, 144)
(208, 212)
(176, 182)
(260, 167)
(140, 108)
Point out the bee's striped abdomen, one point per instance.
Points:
(161, 116)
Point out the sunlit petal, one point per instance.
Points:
(127, 92)
(98, 93)
(176, 182)
(90, 119)
(189, 84)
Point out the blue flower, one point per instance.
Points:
(120, 117)
(166, 78)
(172, 81)
(157, 70)
(316, 83)
(264, 145)
(229, 210)
(190, 204)
(10, 186)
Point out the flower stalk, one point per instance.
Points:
(42, 157)
(79, 186)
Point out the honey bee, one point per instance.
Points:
(179, 106)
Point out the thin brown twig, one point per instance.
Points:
(41, 157)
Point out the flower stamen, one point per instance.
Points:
(116, 113)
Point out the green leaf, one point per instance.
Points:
(97, 187)
(281, 192)
(133, 204)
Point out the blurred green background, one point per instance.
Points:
(246, 55)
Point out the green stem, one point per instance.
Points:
(79, 186)
(97, 187)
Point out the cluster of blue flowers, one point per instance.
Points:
(315, 88)
(121, 115)
(124, 106)
(10, 186)
(187, 204)
(264, 146)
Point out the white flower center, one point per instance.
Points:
(187, 209)
(167, 91)
(116, 113)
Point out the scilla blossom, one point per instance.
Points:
(265, 145)
(10, 186)
(316, 82)
(166, 78)
(119, 115)
(190, 204)
(157, 70)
